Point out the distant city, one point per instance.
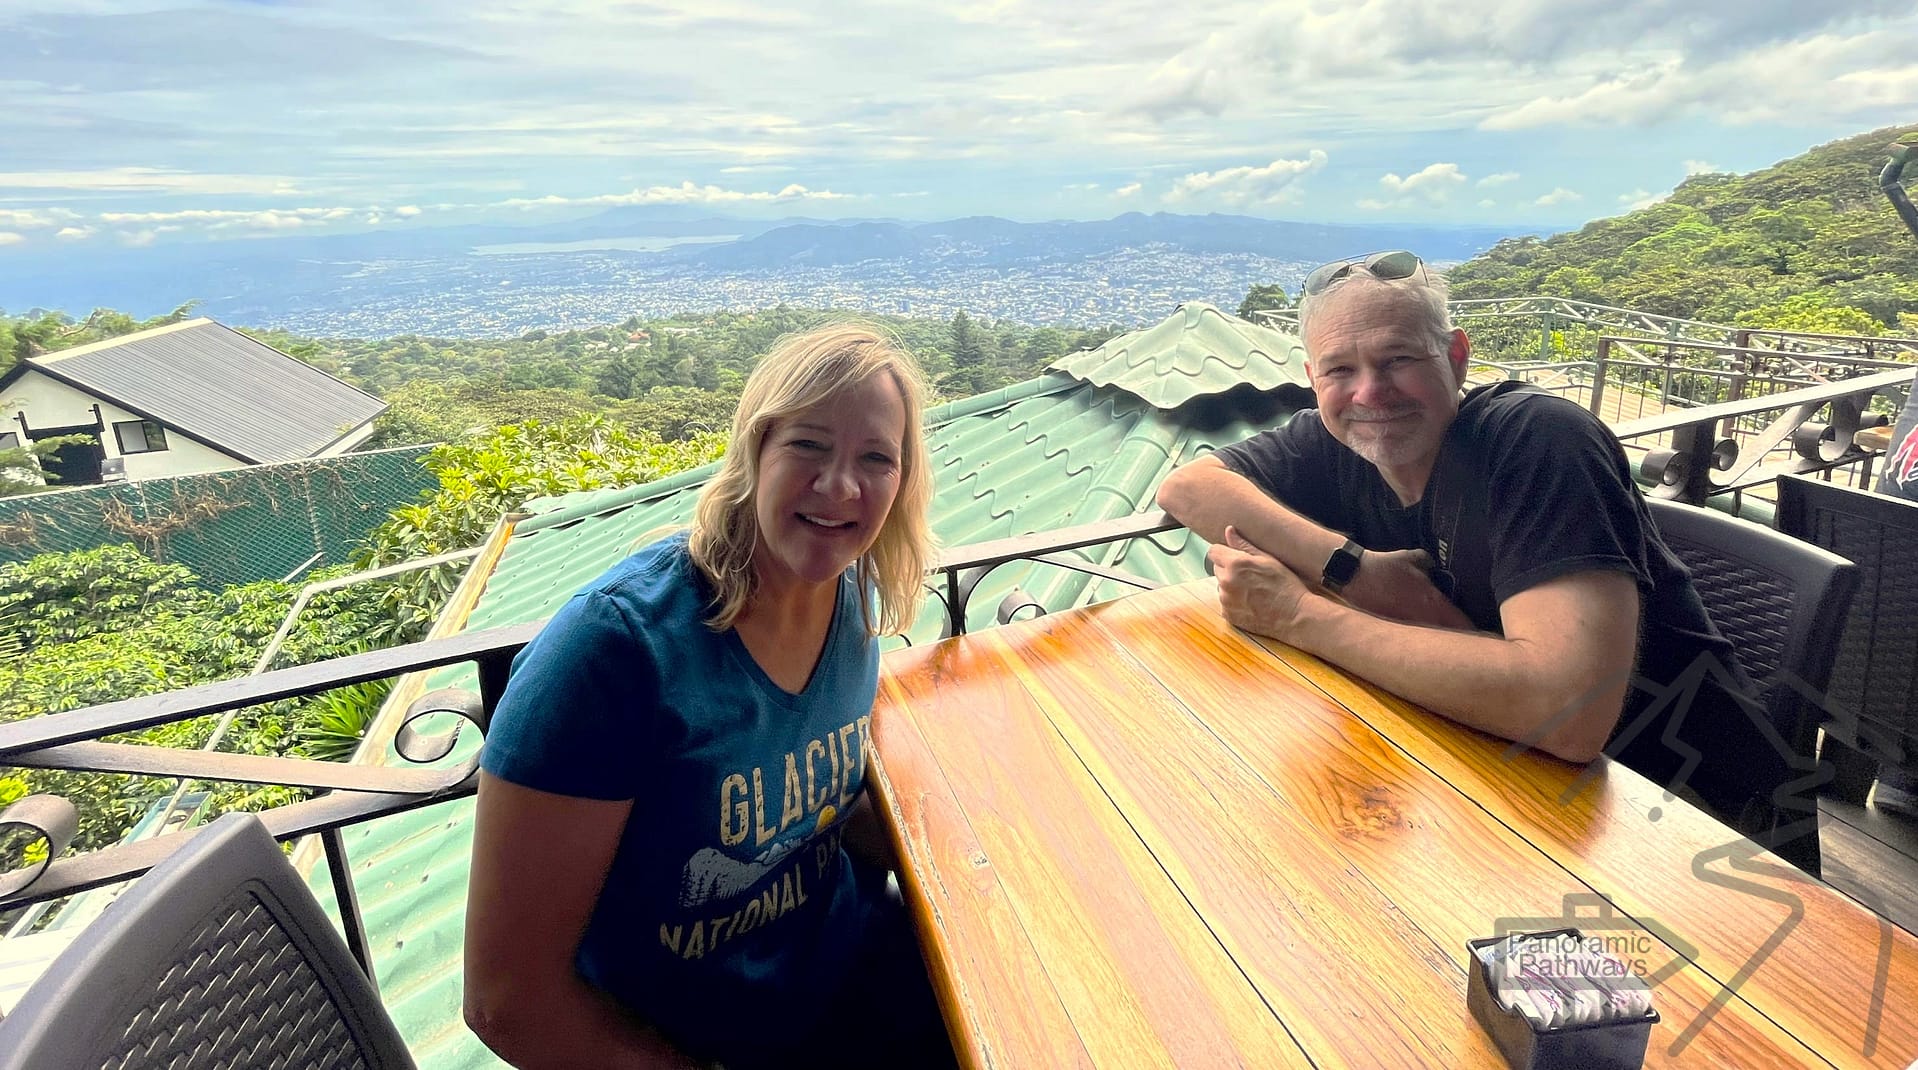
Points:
(509, 295)
(495, 281)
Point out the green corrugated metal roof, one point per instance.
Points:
(1060, 450)
(1196, 351)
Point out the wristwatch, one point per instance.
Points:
(1342, 566)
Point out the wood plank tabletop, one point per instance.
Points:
(1132, 835)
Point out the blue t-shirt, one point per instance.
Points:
(731, 913)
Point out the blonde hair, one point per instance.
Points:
(801, 371)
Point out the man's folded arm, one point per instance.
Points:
(1205, 496)
(1557, 679)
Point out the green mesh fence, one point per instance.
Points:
(228, 527)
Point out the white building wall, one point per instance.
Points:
(49, 402)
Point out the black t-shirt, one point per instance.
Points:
(1528, 487)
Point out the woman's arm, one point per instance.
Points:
(539, 862)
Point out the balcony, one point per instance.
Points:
(384, 837)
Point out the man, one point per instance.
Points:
(1501, 567)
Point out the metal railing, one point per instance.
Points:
(1694, 453)
(1713, 419)
(354, 793)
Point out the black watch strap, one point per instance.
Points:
(1342, 566)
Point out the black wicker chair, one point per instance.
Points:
(220, 957)
(1781, 602)
(1874, 686)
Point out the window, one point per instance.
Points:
(9, 440)
(140, 436)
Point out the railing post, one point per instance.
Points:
(1741, 340)
(349, 901)
(1598, 375)
(955, 605)
(1545, 336)
(1694, 443)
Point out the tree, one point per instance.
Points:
(1265, 295)
(969, 373)
(21, 468)
(481, 479)
(111, 624)
(618, 378)
(60, 597)
(705, 373)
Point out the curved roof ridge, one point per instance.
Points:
(1197, 351)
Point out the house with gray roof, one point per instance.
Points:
(189, 397)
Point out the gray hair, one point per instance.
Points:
(1429, 287)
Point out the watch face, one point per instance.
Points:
(1343, 565)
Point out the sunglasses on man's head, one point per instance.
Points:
(1397, 264)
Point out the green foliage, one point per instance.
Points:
(56, 598)
(1265, 295)
(336, 721)
(111, 624)
(1814, 313)
(1807, 244)
(482, 479)
(40, 331)
(21, 471)
(672, 377)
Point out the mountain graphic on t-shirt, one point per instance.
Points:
(712, 874)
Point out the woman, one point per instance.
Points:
(660, 874)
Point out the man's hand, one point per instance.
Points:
(1256, 590)
(1397, 585)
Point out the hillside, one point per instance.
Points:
(1809, 243)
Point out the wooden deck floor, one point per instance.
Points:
(1872, 856)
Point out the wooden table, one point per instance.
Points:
(1135, 836)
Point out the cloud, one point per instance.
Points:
(1497, 180)
(149, 180)
(407, 211)
(27, 219)
(1130, 189)
(684, 193)
(1274, 183)
(226, 218)
(1488, 203)
(1561, 195)
(1700, 167)
(1823, 76)
(1434, 182)
(1308, 57)
(8, 237)
(75, 233)
(1640, 198)
(1202, 83)
(753, 168)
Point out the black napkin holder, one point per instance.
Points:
(1618, 1045)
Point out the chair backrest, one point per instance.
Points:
(1781, 602)
(218, 957)
(1875, 672)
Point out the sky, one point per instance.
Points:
(125, 122)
